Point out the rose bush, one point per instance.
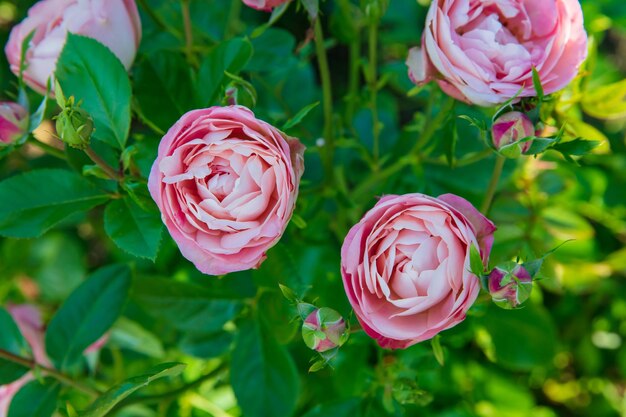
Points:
(115, 23)
(226, 184)
(484, 51)
(405, 266)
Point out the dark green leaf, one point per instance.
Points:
(183, 305)
(537, 85)
(576, 147)
(109, 399)
(523, 338)
(265, 379)
(35, 399)
(276, 14)
(348, 408)
(229, 56)
(207, 346)
(90, 72)
(87, 314)
(40, 199)
(133, 229)
(12, 341)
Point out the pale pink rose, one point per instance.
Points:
(226, 184)
(483, 51)
(13, 122)
(264, 5)
(28, 320)
(406, 266)
(114, 23)
(510, 128)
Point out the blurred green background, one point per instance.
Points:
(562, 355)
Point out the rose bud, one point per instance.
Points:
(510, 285)
(508, 130)
(484, 52)
(406, 266)
(324, 329)
(264, 5)
(226, 185)
(74, 126)
(13, 122)
(114, 23)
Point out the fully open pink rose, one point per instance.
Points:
(483, 51)
(29, 322)
(265, 5)
(226, 184)
(13, 122)
(406, 266)
(114, 23)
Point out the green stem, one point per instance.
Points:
(493, 184)
(353, 78)
(103, 164)
(372, 180)
(59, 376)
(373, 81)
(184, 6)
(432, 124)
(327, 100)
(51, 150)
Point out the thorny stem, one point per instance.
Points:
(184, 6)
(59, 376)
(353, 78)
(372, 79)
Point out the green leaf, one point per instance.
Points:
(346, 408)
(87, 314)
(127, 334)
(276, 14)
(312, 7)
(229, 56)
(133, 229)
(476, 262)
(42, 198)
(522, 338)
(295, 120)
(35, 399)
(438, 349)
(163, 88)
(12, 341)
(90, 72)
(576, 147)
(265, 379)
(537, 84)
(606, 102)
(208, 345)
(183, 305)
(109, 399)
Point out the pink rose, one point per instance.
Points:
(28, 320)
(226, 184)
(264, 5)
(114, 23)
(483, 51)
(510, 128)
(406, 266)
(13, 122)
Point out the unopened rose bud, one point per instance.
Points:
(508, 130)
(324, 329)
(13, 122)
(510, 285)
(75, 126)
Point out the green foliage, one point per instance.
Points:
(91, 73)
(43, 198)
(35, 399)
(11, 341)
(87, 314)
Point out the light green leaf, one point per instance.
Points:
(87, 314)
(295, 120)
(127, 334)
(606, 102)
(133, 229)
(42, 198)
(103, 405)
(438, 349)
(91, 73)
